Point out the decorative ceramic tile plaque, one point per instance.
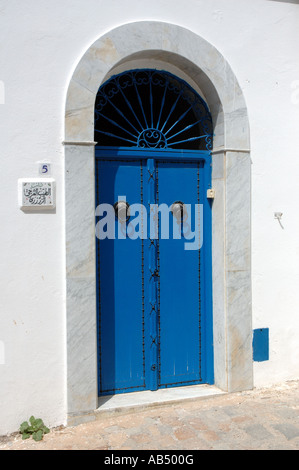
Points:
(37, 193)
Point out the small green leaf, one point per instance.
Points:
(45, 430)
(24, 427)
(38, 435)
(39, 423)
(32, 420)
(25, 435)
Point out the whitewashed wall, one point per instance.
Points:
(41, 43)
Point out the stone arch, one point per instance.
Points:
(182, 52)
(172, 46)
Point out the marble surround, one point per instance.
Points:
(172, 46)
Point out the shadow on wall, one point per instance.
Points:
(285, 1)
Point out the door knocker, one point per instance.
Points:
(179, 211)
(122, 211)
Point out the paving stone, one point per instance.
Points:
(258, 431)
(288, 430)
(184, 433)
(288, 413)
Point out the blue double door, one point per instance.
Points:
(153, 273)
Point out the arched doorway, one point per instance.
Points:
(153, 273)
(199, 63)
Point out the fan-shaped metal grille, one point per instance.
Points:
(151, 109)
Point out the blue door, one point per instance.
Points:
(179, 279)
(121, 298)
(154, 274)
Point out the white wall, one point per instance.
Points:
(42, 42)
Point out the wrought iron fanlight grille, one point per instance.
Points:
(151, 109)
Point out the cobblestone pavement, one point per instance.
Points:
(264, 419)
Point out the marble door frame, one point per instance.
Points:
(177, 50)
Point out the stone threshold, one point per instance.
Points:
(127, 402)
